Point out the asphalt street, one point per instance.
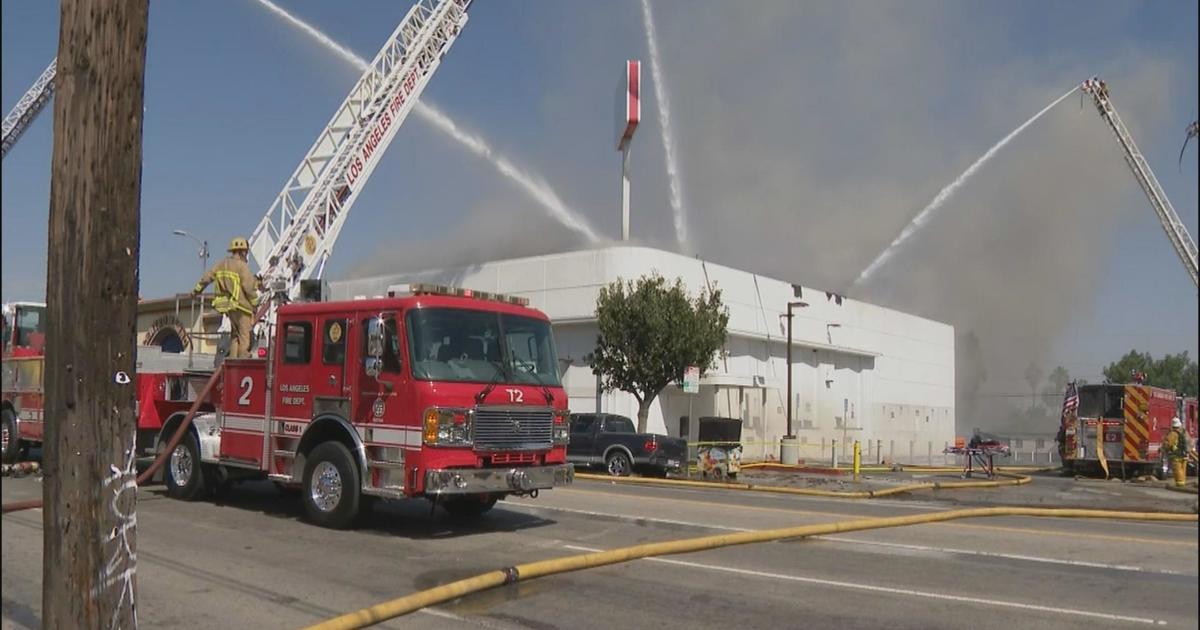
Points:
(250, 560)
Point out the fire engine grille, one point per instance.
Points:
(513, 429)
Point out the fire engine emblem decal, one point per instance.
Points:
(377, 408)
(310, 244)
(335, 332)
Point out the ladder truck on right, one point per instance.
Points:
(1115, 425)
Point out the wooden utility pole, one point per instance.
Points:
(90, 494)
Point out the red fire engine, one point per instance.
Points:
(432, 392)
(161, 382)
(1135, 420)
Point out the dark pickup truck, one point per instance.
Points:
(602, 439)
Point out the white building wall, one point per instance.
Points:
(880, 376)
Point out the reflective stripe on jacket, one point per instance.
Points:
(234, 283)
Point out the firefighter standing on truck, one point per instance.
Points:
(236, 294)
(1175, 447)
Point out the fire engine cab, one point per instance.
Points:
(431, 391)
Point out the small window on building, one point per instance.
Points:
(297, 342)
(893, 414)
(333, 342)
(1041, 443)
(1019, 443)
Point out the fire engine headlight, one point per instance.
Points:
(562, 431)
(447, 427)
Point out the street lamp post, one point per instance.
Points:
(203, 247)
(203, 268)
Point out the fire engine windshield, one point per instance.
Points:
(480, 347)
(24, 328)
(1100, 401)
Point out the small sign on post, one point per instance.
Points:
(691, 380)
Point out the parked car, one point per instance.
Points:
(611, 441)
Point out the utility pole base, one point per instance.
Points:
(789, 450)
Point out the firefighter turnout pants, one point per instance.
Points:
(239, 333)
(1179, 469)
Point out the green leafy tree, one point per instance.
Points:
(651, 332)
(1173, 371)
(1056, 383)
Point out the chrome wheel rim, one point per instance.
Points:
(616, 466)
(181, 465)
(326, 487)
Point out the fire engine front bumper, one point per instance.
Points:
(486, 480)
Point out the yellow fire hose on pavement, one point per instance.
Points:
(1015, 480)
(510, 575)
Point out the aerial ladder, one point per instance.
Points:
(295, 238)
(1177, 233)
(27, 109)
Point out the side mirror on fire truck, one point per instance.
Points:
(373, 362)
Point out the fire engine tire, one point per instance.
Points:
(617, 464)
(12, 449)
(332, 492)
(466, 507)
(184, 473)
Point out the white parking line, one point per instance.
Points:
(859, 541)
(1009, 556)
(899, 591)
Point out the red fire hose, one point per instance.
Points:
(17, 506)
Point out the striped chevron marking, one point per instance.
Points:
(1137, 433)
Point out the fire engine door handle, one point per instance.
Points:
(332, 379)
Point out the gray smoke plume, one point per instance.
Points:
(814, 133)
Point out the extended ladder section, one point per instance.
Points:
(27, 109)
(1180, 239)
(296, 237)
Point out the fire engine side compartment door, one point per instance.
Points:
(243, 408)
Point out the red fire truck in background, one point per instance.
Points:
(1134, 418)
(433, 392)
(161, 381)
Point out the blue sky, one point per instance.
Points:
(808, 134)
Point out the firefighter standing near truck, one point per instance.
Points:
(1175, 447)
(237, 294)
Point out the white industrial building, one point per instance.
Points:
(860, 372)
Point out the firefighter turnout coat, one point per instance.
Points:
(236, 290)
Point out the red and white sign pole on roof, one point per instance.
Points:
(629, 112)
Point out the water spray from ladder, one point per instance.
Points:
(664, 114)
(533, 186)
(945, 195)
